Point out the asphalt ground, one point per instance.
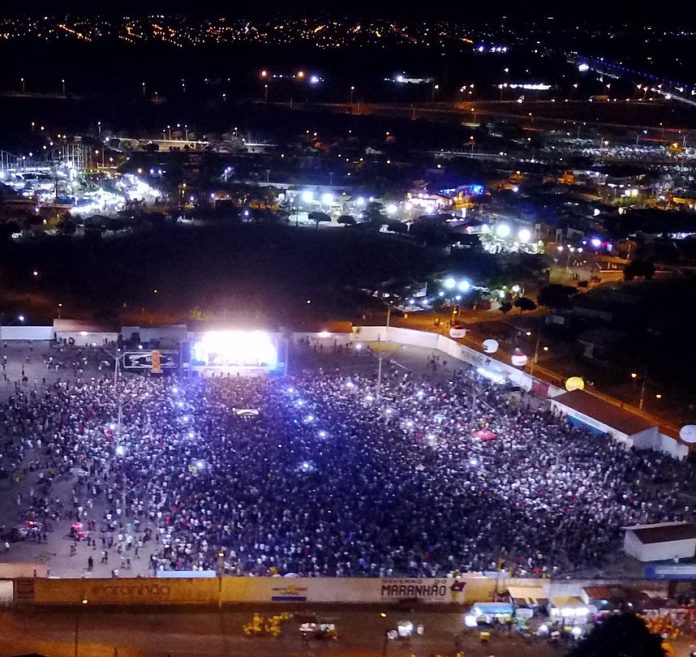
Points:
(180, 632)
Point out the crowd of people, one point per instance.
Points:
(318, 475)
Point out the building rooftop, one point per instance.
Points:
(664, 532)
(619, 419)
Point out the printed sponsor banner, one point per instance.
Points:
(156, 360)
(670, 571)
(165, 359)
(425, 590)
(285, 592)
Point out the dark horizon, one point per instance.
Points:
(591, 11)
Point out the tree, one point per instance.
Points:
(620, 636)
(346, 220)
(374, 213)
(505, 307)
(318, 217)
(555, 296)
(639, 268)
(524, 303)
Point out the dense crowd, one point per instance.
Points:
(313, 475)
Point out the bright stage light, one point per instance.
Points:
(502, 230)
(235, 348)
(524, 235)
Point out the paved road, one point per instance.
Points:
(219, 633)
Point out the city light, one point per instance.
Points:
(307, 196)
(449, 283)
(327, 198)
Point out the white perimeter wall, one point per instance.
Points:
(448, 346)
(648, 439)
(26, 332)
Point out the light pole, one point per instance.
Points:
(99, 128)
(352, 91)
(62, 82)
(24, 86)
(265, 93)
(535, 359)
(644, 379)
(77, 625)
(386, 634)
(121, 451)
(144, 88)
(378, 392)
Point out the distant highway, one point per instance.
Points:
(541, 114)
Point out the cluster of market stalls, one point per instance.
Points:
(550, 610)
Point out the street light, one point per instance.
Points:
(77, 626)
(644, 379)
(63, 85)
(378, 390)
(383, 616)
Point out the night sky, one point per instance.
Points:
(590, 10)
